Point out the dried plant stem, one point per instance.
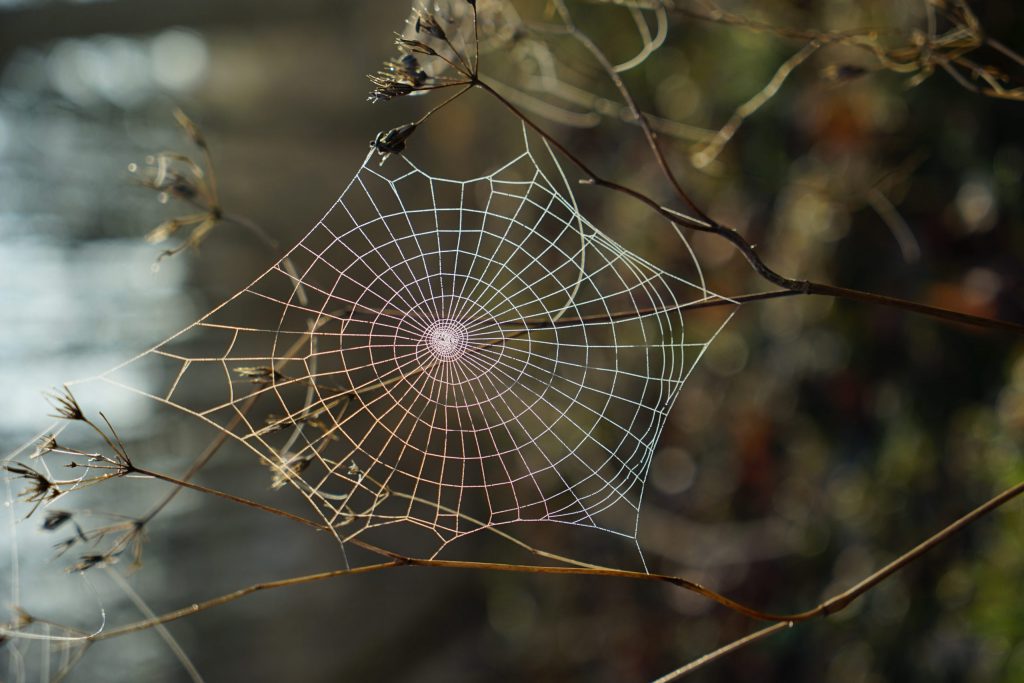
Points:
(181, 483)
(914, 307)
(165, 635)
(201, 461)
(839, 602)
(830, 606)
(606, 65)
(723, 651)
(749, 251)
(218, 442)
(1005, 51)
(814, 289)
(703, 223)
(230, 597)
(901, 232)
(445, 103)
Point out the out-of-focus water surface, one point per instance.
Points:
(85, 90)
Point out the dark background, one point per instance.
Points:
(816, 441)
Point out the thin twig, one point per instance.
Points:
(749, 251)
(165, 635)
(709, 152)
(723, 651)
(181, 483)
(203, 458)
(230, 597)
(830, 606)
(652, 141)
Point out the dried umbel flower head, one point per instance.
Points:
(440, 46)
(177, 176)
(40, 488)
(398, 77)
(437, 42)
(121, 537)
(47, 444)
(66, 406)
(405, 75)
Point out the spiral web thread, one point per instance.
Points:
(454, 354)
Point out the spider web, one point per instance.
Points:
(456, 354)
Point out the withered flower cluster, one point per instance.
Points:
(91, 467)
(398, 77)
(40, 489)
(177, 176)
(430, 37)
(66, 406)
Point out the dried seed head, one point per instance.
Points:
(290, 468)
(46, 444)
(259, 375)
(393, 141)
(66, 406)
(40, 488)
(415, 46)
(55, 519)
(178, 176)
(386, 87)
(427, 23)
(398, 78)
(409, 68)
(87, 562)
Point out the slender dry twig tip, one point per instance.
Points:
(191, 129)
